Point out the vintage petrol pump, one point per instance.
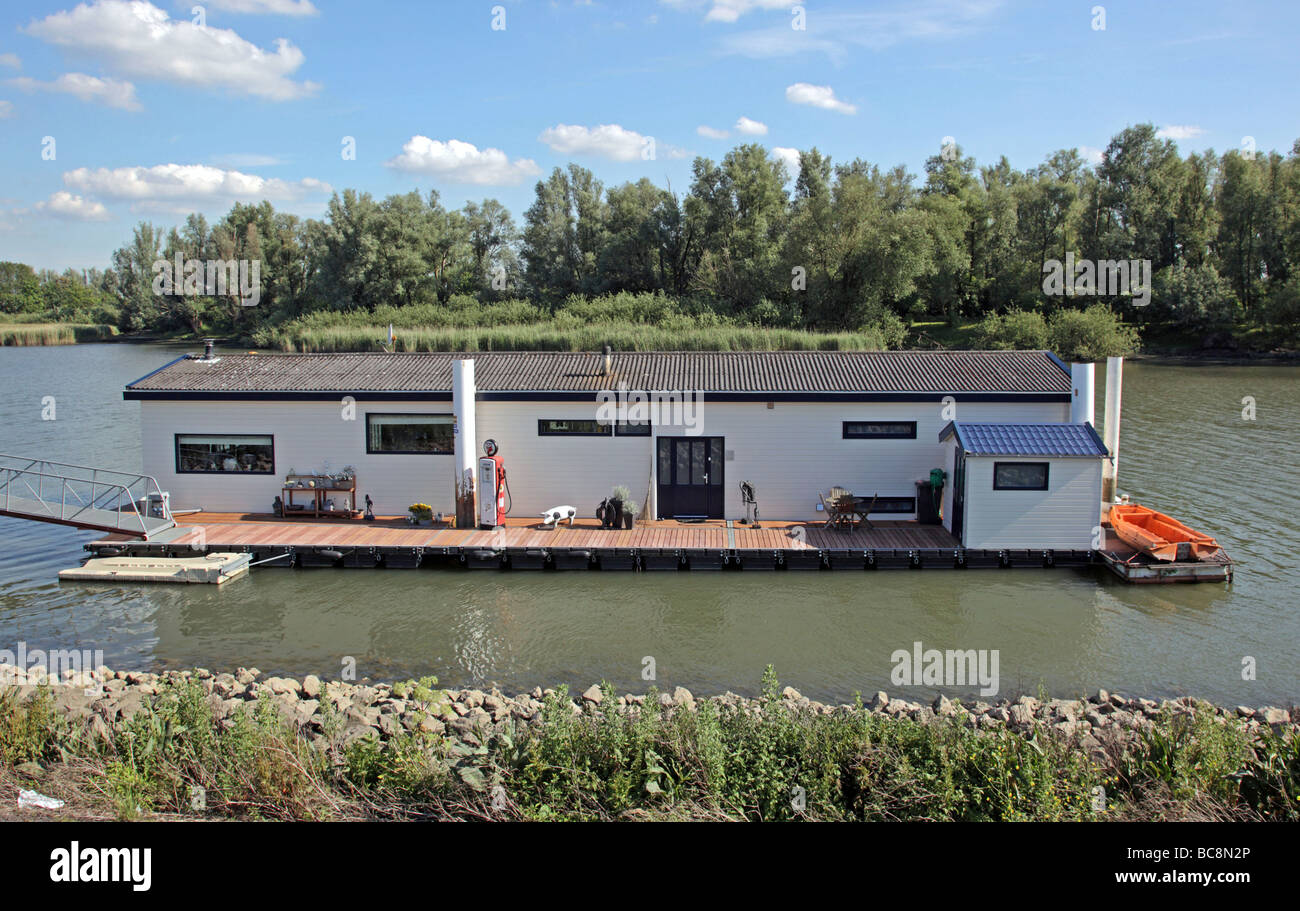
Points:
(492, 487)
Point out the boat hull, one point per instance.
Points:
(1160, 536)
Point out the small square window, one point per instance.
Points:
(1019, 475)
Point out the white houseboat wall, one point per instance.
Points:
(792, 423)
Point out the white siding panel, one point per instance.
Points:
(306, 435)
(546, 471)
(790, 452)
(1061, 517)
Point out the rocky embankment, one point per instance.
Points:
(97, 702)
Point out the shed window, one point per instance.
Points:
(223, 453)
(1019, 475)
(573, 427)
(880, 430)
(410, 434)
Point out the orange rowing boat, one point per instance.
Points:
(1159, 535)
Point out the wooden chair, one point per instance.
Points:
(865, 511)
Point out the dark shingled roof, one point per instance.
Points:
(1057, 440)
(1015, 372)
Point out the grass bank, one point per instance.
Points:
(178, 754)
(26, 334)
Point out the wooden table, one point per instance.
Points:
(848, 512)
(324, 485)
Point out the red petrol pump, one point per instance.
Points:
(492, 487)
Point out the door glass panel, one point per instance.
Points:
(683, 475)
(715, 461)
(665, 462)
(699, 465)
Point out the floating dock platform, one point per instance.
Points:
(658, 545)
(1133, 566)
(211, 568)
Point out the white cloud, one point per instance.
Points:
(110, 92)
(751, 127)
(461, 162)
(1176, 132)
(139, 39)
(184, 188)
(1091, 155)
(11, 60)
(6, 109)
(836, 33)
(790, 157)
(711, 133)
(817, 96)
(609, 140)
(273, 7)
(76, 208)
(731, 10)
(246, 160)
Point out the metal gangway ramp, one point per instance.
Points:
(82, 496)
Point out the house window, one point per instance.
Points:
(573, 427)
(410, 434)
(902, 505)
(880, 430)
(223, 453)
(632, 429)
(1019, 475)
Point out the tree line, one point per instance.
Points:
(835, 247)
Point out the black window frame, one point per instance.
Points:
(605, 429)
(875, 508)
(621, 428)
(1047, 475)
(176, 443)
(847, 435)
(410, 414)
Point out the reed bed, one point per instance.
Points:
(30, 334)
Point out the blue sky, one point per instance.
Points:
(152, 115)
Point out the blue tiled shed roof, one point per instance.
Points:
(1055, 440)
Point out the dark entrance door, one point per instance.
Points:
(690, 478)
(958, 491)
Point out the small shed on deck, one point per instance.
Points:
(1022, 485)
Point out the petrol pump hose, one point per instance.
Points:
(510, 500)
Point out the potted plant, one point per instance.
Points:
(421, 514)
(629, 514)
(619, 499)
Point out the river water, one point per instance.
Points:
(1185, 449)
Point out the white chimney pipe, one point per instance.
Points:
(1110, 468)
(465, 443)
(1083, 381)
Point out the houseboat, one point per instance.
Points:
(1007, 434)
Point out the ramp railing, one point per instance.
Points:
(82, 496)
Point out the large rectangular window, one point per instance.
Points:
(410, 434)
(225, 453)
(632, 429)
(880, 430)
(1019, 475)
(900, 505)
(573, 427)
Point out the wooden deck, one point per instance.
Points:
(391, 542)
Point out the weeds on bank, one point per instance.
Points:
(768, 760)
